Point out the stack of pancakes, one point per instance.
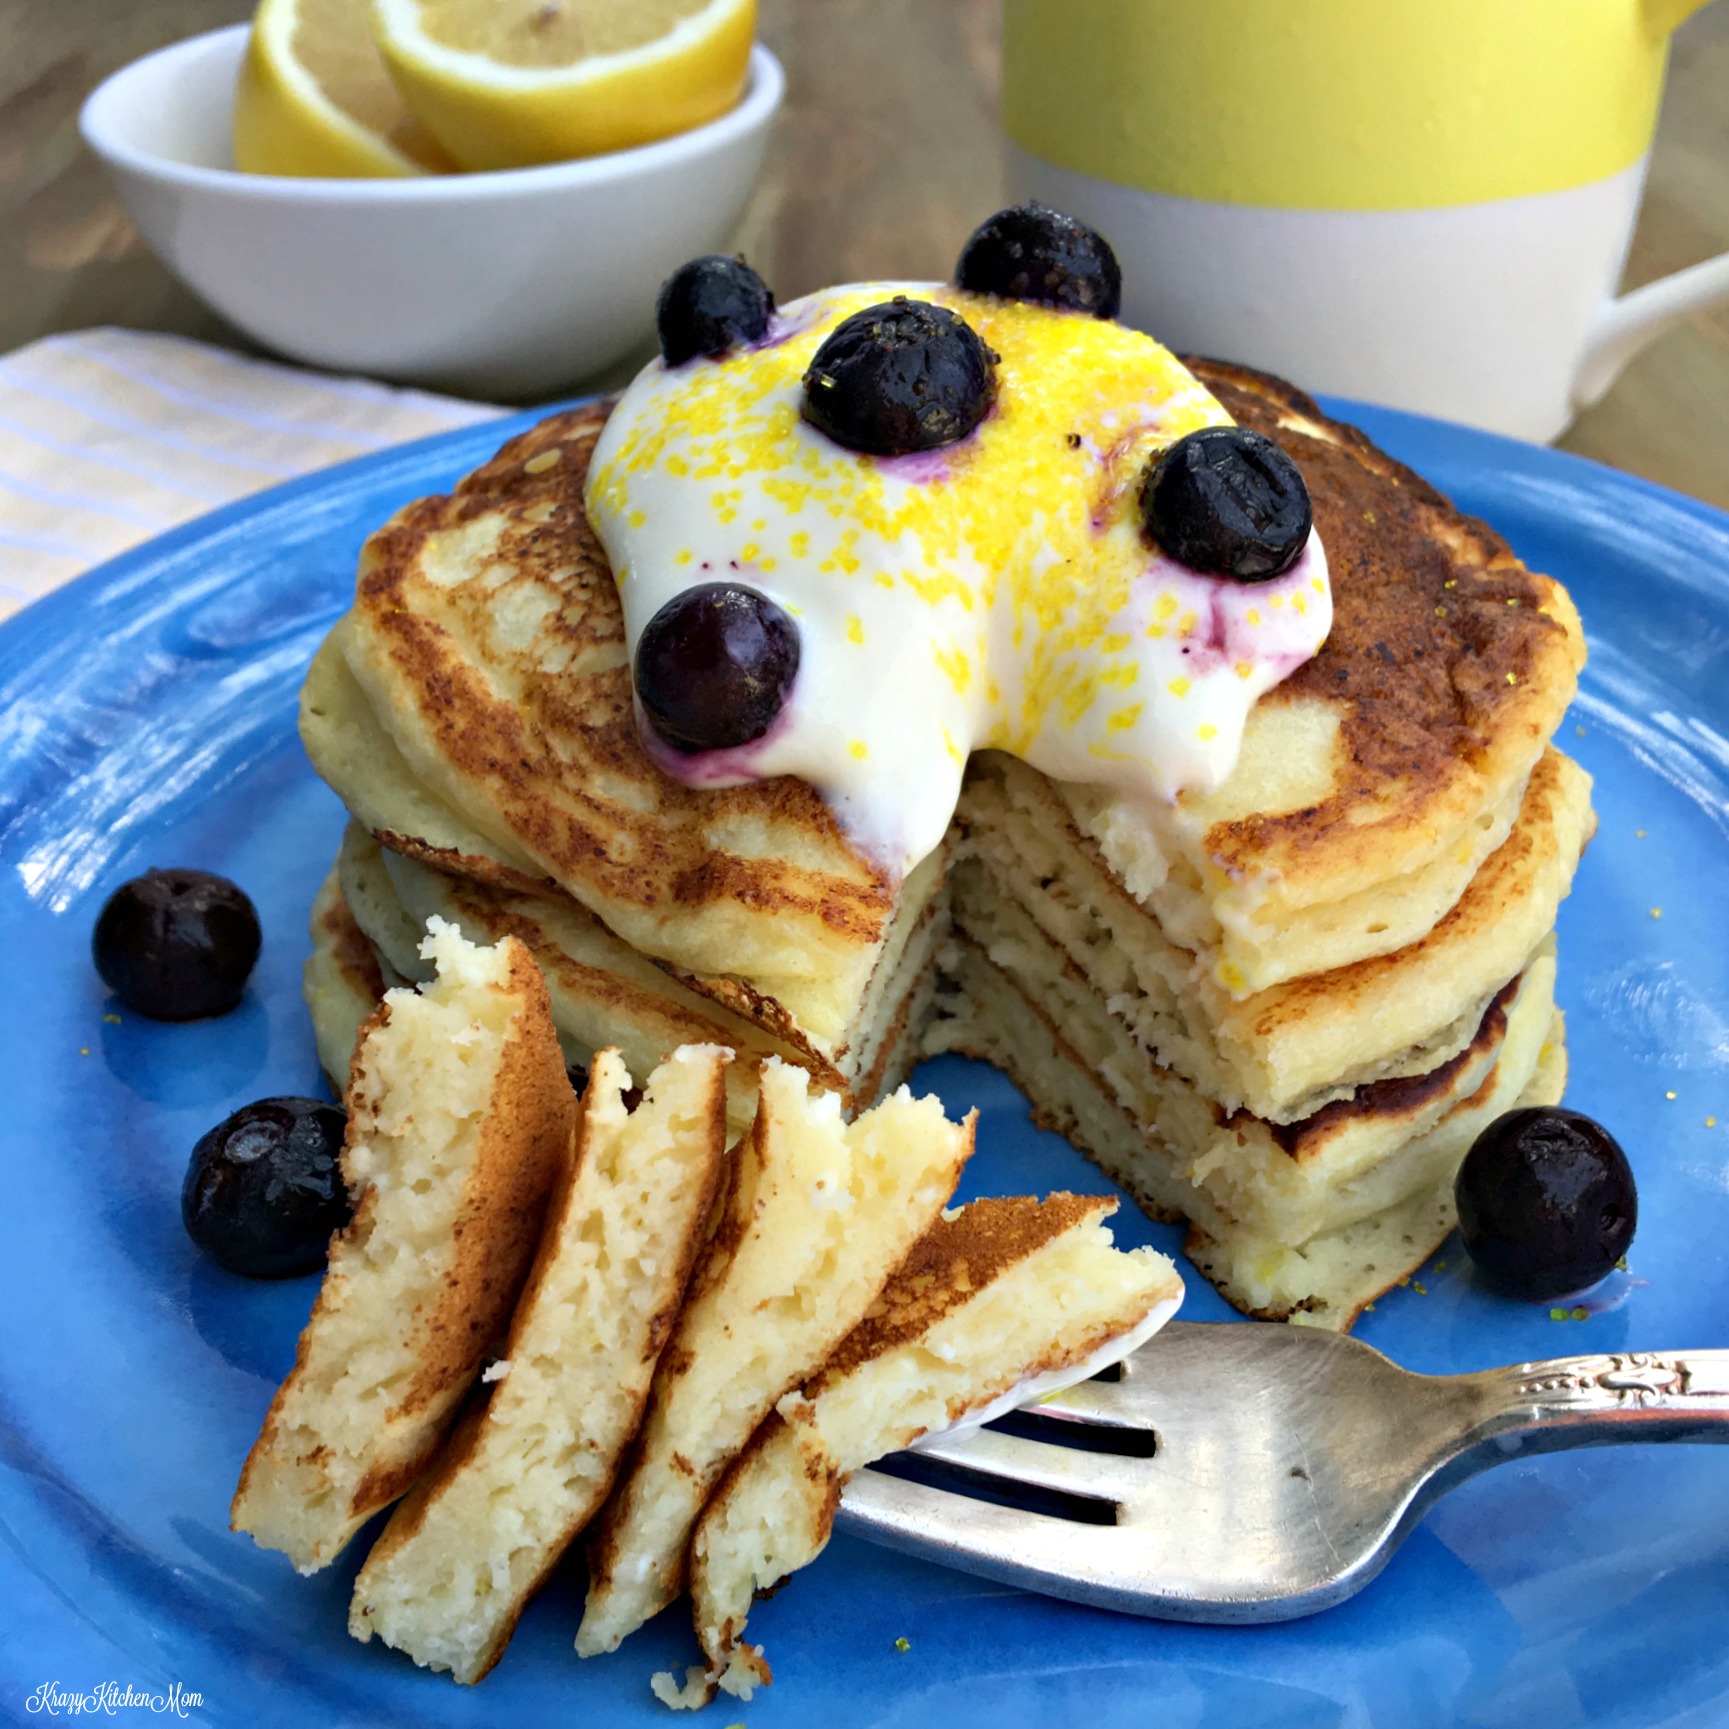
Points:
(1280, 1011)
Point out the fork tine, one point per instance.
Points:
(1057, 1556)
(1012, 1458)
(1100, 1403)
(1143, 1566)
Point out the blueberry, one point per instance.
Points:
(715, 665)
(1035, 253)
(1546, 1202)
(1227, 501)
(898, 377)
(176, 945)
(709, 305)
(264, 1190)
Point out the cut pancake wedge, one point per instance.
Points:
(818, 1214)
(459, 1122)
(1001, 1302)
(527, 1468)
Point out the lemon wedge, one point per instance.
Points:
(314, 98)
(508, 83)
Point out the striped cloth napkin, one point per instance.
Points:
(108, 437)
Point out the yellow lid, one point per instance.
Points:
(1338, 104)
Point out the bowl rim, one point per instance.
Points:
(765, 86)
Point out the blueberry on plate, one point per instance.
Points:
(1229, 502)
(898, 377)
(176, 945)
(710, 305)
(1035, 253)
(264, 1189)
(1546, 1202)
(714, 666)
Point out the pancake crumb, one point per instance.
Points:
(1656, 912)
(903, 1644)
(1668, 1095)
(1638, 834)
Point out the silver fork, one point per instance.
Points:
(1287, 1464)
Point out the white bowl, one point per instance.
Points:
(512, 284)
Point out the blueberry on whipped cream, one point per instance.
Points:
(1031, 252)
(714, 665)
(939, 492)
(1228, 501)
(900, 377)
(709, 305)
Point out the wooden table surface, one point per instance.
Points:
(885, 157)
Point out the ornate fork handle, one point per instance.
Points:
(1593, 1401)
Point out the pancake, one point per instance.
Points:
(459, 1122)
(531, 1462)
(819, 1213)
(343, 980)
(1000, 1301)
(604, 992)
(487, 644)
(1313, 1219)
(1447, 669)
(1284, 1052)
(487, 636)
(1273, 1010)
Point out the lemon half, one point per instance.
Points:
(314, 98)
(508, 83)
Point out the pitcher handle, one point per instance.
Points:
(1622, 327)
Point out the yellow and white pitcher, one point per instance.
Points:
(1425, 203)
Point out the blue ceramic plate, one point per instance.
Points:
(147, 718)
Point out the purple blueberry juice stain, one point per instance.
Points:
(782, 328)
(920, 467)
(737, 765)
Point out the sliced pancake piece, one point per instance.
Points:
(1001, 1302)
(528, 1466)
(459, 1122)
(818, 1214)
(342, 981)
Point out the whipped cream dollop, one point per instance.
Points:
(1000, 592)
